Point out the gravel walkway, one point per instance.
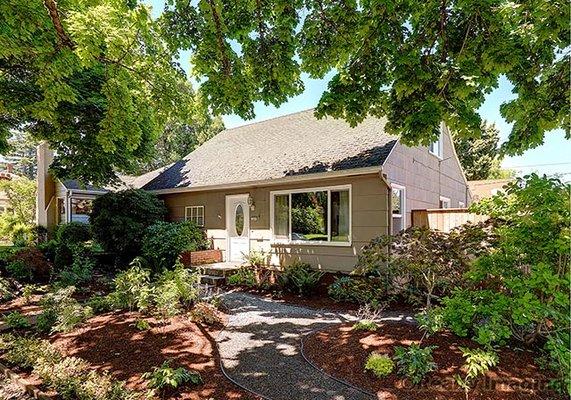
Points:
(260, 350)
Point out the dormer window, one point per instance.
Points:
(436, 147)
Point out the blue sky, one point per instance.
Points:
(553, 157)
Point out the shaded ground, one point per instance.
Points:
(19, 304)
(111, 342)
(342, 352)
(260, 349)
(11, 391)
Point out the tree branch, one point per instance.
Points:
(220, 39)
(63, 39)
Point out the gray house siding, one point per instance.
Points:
(426, 177)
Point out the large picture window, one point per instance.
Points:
(81, 209)
(320, 215)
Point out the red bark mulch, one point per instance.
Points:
(19, 304)
(342, 352)
(111, 342)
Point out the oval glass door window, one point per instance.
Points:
(239, 220)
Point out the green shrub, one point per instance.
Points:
(25, 352)
(163, 242)
(365, 325)
(244, 276)
(257, 258)
(119, 220)
(165, 377)
(380, 365)
(80, 271)
(478, 362)
(520, 290)
(360, 290)
(415, 362)
(29, 264)
(300, 278)
(7, 289)
(65, 376)
(142, 325)
(70, 376)
(73, 233)
(430, 321)
(61, 312)
(133, 288)
(174, 290)
(100, 304)
(16, 320)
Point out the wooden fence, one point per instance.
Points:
(444, 219)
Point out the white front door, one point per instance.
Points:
(237, 227)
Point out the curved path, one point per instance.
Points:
(260, 350)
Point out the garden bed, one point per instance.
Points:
(111, 342)
(342, 352)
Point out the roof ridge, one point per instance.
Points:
(269, 119)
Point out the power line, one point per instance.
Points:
(539, 165)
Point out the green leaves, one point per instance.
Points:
(418, 63)
(94, 79)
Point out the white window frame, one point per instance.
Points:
(402, 215)
(327, 189)
(188, 215)
(444, 200)
(461, 204)
(439, 146)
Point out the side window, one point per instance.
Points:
(444, 202)
(436, 147)
(398, 208)
(194, 214)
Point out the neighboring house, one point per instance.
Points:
(68, 201)
(487, 187)
(307, 189)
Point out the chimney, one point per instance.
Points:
(46, 187)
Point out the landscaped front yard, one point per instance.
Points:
(490, 300)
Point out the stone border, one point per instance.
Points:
(26, 386)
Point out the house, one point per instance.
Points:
(295, 187)
(63, 201)
(305, 189)
(487, 187)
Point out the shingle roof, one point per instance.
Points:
(294, 144)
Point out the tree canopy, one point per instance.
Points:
(93, 78)
(179, 139)
(416, 62)
(480, 156)
(99, 80)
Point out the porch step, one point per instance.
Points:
(212, 280)
(221, 269)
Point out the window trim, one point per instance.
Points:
(186, 214)
(461, 204)
(402, 215)
(327, 189)
(444, 200)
